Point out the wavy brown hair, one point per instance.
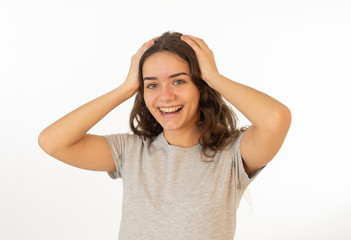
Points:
(217, 124)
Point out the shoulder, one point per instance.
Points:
(128, 139)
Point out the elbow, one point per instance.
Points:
(45, 143)
(283, 119)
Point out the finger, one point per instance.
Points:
(147, 45)
(150, 42)
(200, 42)
(191, 43)
(155, 38)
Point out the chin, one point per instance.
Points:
(169, 127)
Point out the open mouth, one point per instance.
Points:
(170, 109)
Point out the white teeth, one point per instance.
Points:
(172, 109)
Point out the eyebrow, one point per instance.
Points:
(170, 76)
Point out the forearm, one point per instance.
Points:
(260, 109)
(73, 126)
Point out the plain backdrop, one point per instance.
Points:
(57, 55)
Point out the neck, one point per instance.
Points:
(182, 138)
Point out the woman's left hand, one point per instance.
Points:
(204, 56)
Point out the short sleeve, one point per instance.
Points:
(117, 146)
(241, 177)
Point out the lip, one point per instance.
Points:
(170, 115)
(170, 106)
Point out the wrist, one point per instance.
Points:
(128, 89)
(212, 79)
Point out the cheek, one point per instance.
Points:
(148, 99)
(196, 96)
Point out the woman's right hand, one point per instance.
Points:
(67, 139)
(132, 81)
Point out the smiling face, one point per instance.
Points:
(170, 95)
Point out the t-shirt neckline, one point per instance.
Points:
(178, 148)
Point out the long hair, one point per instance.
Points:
(217, 123)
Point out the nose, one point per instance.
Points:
(167, 94)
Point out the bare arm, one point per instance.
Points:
(270, 119)
(67, 139)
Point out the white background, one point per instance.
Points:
(58, 55)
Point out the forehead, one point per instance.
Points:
(164, 64)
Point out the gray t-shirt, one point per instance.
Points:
(170, 193)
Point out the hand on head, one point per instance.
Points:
(204, 56)
(132, 80)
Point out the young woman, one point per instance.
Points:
(187, 164)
